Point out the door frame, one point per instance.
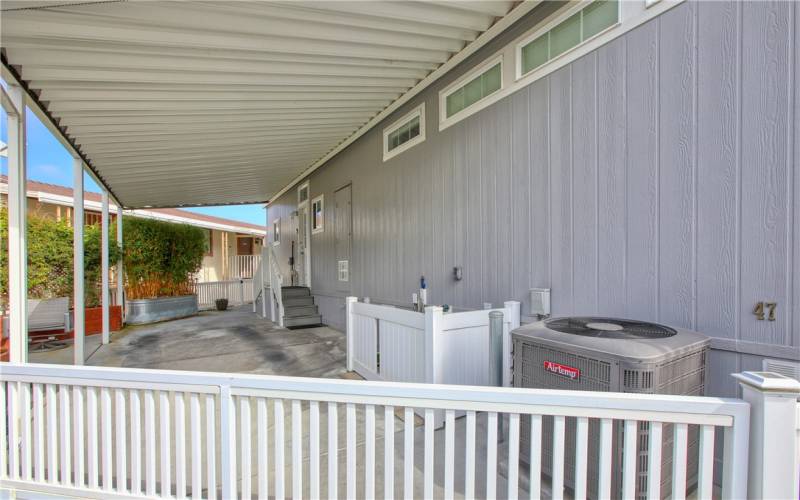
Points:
(307, 205)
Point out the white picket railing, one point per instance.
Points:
(238, 292)
(242, 266)
(260, 284)
(399, 345)
(275, 286)
(100, 432)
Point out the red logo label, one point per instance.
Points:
(563, 370)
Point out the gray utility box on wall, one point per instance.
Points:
(610, 355)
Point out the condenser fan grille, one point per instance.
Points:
(610, 328)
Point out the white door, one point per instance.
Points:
(302, 259)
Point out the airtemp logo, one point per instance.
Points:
(563, 370)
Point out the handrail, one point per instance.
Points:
(276, 284)
(258, 282)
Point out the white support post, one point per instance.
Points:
(120, 268)
(433, 326)
(77, 262)
(349, 326)
(14, 104)
(264, 274)
(771, 471)
(513, 311)
(105, 293)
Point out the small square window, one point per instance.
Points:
(317, 215)
(276, 232)
(404, 133)
(475, 87)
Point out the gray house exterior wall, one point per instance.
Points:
(654, 178)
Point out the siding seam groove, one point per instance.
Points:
(695, 166)
(738, 278)
(596, 186)
(790, 214)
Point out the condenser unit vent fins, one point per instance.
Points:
(609, 328)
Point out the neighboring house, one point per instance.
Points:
(643, 172)
(234, 247)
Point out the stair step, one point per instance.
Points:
(311, 319)
(296, 311)
(295, 291)
(305, 300)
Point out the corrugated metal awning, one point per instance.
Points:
(177, 103)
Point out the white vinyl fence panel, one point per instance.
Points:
(97, 432)
(238, 292)
(398, 345)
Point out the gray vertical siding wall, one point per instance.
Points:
(654, 178)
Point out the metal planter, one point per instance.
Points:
(142, 311)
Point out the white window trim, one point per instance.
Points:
(320, 198)
(418, 111)
(276, 241)
(302, 186)
(632, 15)
(446, 121)
(552, 23)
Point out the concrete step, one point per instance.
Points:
(305, 300)
(295, 291)
(311, 319)
(296, 311)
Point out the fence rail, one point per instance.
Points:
(238, 292)
(115, 432)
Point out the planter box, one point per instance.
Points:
(142, 311)
(93, 319)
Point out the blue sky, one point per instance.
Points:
(48, 161)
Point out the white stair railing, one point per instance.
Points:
(261, 283)
(98, 432)
(258, 280)
(275, 285)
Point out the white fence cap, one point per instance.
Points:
(769, 381)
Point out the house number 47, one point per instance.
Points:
(765, 309)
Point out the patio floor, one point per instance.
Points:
(231, 341)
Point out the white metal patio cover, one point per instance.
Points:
(204, 103)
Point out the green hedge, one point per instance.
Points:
(160, 257)
(50, 258)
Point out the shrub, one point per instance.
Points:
(160, 258)
(50, 258)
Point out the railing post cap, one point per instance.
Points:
(768, 382)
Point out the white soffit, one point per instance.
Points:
(217, 102)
